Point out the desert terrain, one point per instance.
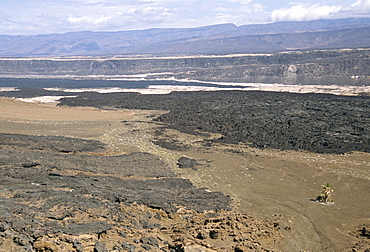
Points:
(69, 184)
(216, 138)
(227, 196)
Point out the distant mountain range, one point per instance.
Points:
(216, 39)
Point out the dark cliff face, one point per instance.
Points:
(325, 67)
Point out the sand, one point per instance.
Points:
(262, 182)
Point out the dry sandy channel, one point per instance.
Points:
(261, 182)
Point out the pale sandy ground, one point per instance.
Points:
(262, 182)
(166, 89)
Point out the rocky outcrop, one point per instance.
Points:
(62, 194)
(185, 162)
(37, 163)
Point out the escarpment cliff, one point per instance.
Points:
(324, 67)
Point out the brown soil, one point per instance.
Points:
(265, 183)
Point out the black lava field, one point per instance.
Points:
(44, 160)
(319, 123)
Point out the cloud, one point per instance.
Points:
(361, 7)
(36, 17)
(120, 18)
(303, 12)
(88, 20)
(46, 16)
(307, 11)
(240, 1)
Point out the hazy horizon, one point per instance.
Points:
(26, 17)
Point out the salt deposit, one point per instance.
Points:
(45, 99)
(166, 89)
(8, 89)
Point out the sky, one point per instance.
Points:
(31, 17)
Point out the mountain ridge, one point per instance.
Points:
(218, 39)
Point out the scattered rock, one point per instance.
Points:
(100, 247)
(214, 234)
(45, 244)
(201, 235)
(197, 248)
(150, 241)
(146, 247)
(185, 162)
(362, 233)
(128, 247)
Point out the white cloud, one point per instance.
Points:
(122, 19)
(360, 7)
(47, 16)
(307, 11)
(240, 1)
(88, 20)
(75, 15)
(303, 12)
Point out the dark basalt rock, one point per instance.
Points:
(48, 191)
(185, 162)
(171, 145)
(33, 174)
(100, 247)
(128, 247)
(50, 143)
(318, 123)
